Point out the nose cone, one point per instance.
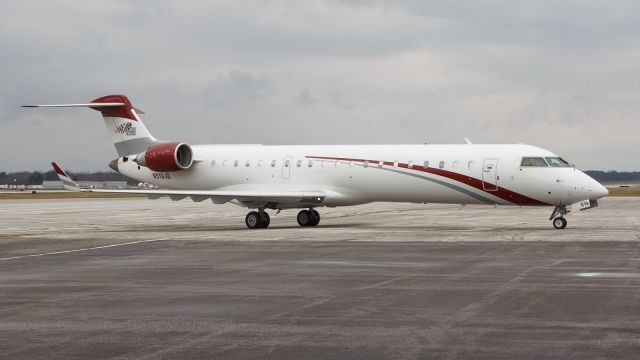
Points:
(595, 190)
(599, 190)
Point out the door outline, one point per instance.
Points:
(490, 175)
(286, 170)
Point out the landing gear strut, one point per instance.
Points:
(559, 222)
(257, 220)
(308, 218)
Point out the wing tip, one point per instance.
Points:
(58, 170)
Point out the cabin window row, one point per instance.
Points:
(335, 163)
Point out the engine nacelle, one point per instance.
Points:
(173, 156)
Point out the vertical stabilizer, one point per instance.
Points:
(128, 133)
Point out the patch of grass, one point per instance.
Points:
(27, 195)
(624, 191)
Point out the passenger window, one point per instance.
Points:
(224, 163)
(324, 163)
(380, 163)
(533, 161)
(470, 165)
(286, 163)
(455, 164)
(299, 163)
(260, 163)
(426, 164)
(441, 165)
(366, 164)
(410, 166)
(395, 163)
(213, 163)
(310, 163)
(235, 163)
(273, 163)
(247, 163)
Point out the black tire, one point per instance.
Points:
(304, 218)
(315, 217)
(559, 223)
(266, 220)
(253, 220)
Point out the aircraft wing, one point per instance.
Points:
(217, 196)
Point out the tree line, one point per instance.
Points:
(36, 177)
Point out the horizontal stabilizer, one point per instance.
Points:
(91, 105)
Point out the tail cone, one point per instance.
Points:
(113, 164)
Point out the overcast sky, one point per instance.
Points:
(563, 75)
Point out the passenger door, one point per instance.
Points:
(490, 175)
(286, 167)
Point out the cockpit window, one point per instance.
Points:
(557, 162)
(533, 161)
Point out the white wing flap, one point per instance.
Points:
(218, 197)
(307, 197)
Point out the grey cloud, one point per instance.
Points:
(239, 86)
(304, 98)
(559, 74)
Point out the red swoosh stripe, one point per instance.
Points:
(57, 169)
(502, 192)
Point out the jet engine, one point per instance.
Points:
(173, 156)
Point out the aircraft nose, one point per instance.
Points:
(595, 189)
(599, 190)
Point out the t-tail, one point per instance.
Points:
(128, 133)
(132, 139)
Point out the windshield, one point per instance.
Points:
(557, 162)
(533, 161)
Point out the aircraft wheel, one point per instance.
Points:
(315, 218)
(253, 220)
(304, 218)
(559, 223)
(266, 220)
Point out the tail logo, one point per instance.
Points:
(126, 129)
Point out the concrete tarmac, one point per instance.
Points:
(134, 278)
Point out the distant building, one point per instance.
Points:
(53, 185)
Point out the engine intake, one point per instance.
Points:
(173, 156)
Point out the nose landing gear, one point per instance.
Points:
(559, 222)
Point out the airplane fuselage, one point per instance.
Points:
(356, 174)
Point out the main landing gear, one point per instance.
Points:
(308, 218)
(260, 219)
(559, 222)
(257, 220)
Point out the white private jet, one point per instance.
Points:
(310, 176)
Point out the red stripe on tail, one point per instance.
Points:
(115, 111)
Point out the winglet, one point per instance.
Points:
(67, 182)
(466, 139)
